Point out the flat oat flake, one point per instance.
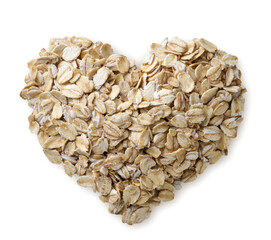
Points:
(134, 135)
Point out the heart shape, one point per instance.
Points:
(134, 134)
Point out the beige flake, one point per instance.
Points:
(114, 92)
(169, 60)
(69, 168)
(53, 155)
(123, 64)
(71, 53)
(67, 130)
(130, 194)
(136, 216)
(135, 96)
(85, 181)
(187, 83)
(64, 74)
(104, 185)
(207, 45)
(157, 176)
(100, 77)
(166, 195)
(57, 111)
(72, 91)
(208, 95)
(146, 164)
(154, 151)
(145, 119)
(179, 121)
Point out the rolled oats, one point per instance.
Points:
(134, 134)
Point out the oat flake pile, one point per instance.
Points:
(131, 134)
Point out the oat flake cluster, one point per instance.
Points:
(134, 134)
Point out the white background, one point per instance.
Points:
(231, 200)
